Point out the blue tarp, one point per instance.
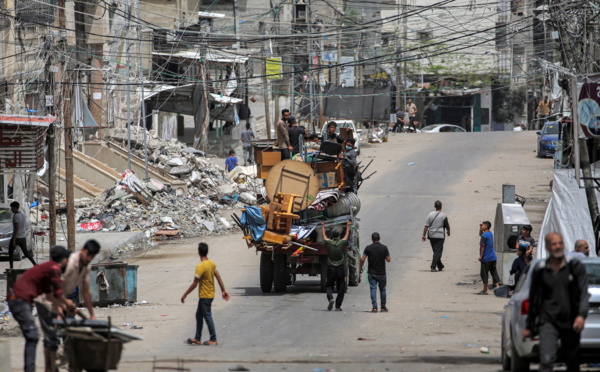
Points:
(253, 218)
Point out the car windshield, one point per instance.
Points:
(593, 271)
(430, 127)
(551, 129)
(6, 215)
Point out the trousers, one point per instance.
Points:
(380, 280)
(490, 267)
(22, 243)
(549, 336)
(204, 314)
(336, 275)
(21, 311)
(437, 245)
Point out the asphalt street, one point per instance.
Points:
(433, 322)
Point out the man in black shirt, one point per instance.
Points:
(377, 254)
(295, 132)
(558, 305)
(331, 135)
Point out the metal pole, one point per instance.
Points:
(142, 99)
(52, 182)
(128, 87)
(310, 63)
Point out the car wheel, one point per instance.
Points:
(504, 358)
(517, 364)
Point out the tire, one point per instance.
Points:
(323, 264)
(539, 153)
(517, 364)
(280, 277)
(266, 272)
(354, 266)
(504, 358)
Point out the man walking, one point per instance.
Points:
(283, 137)
(205, 275)
(487, 256)
(558, 305)
(19, 236)
(76, 274)
(436, 228)
(43, 278)
(246, 139)
(526, 240)
(543, 110)
(411, 108)
(295, 132)
(336, 272)
(377, 254)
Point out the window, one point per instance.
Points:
(593, 271)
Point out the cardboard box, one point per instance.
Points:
(327, 180)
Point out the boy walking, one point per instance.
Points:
(206, 271)
(231, 162)
(377, 254)
(487, 256)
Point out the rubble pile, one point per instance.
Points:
(160, 210)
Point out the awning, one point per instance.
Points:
(223, 99)
(40, 121)
(152, 90)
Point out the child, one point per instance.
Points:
(231, 162)
(519, 264)
(206, 271)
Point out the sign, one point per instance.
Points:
(347, 72)
(274, 68)
(315, 61)
(22, 143)
(329, 57)
(322, 80)
(97, 95)
(49, 100)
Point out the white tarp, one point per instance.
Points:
(567, 213)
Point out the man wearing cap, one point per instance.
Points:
(42, 278)
(76, 274)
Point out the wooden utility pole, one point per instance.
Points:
(52, 182)
(66, 97)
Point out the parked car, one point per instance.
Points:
(547, 138)
(346, 124)
(516, 354)
(442, 128)
(6, 232)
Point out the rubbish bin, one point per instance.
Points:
(113, 283)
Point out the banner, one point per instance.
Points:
(274, 68)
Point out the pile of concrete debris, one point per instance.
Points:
(161, 211)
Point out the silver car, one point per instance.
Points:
(516, 354)
(6, 232)
(346, 124)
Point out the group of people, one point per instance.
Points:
(411, 110)
(49, 287)
(376, 254)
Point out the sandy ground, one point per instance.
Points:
(434, 323)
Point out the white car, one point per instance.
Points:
(442, 128)
(346, 124)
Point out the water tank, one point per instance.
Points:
(345, 204)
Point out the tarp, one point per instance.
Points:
(253, 218)
(567, 214)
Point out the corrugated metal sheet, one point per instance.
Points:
(22, 143)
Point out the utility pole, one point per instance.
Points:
(143, 102)
(310, 63)
(236, 23)
(128, 86)
(399, 79)
(404, 19)
(52, 182)
(66, 95)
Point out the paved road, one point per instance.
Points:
(432, 323)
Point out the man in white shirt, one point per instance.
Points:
(582, 249)
(19, 237)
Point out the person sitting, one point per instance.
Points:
(331, 134)
(519, 264)
(313, 142)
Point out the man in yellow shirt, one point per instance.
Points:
(543, 110)
(205, 274)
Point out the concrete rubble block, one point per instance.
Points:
(195, 177)
(176, 171)
(191, 150)
(226, 190)
(247, 198)
(163, 159)
(175, 162)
